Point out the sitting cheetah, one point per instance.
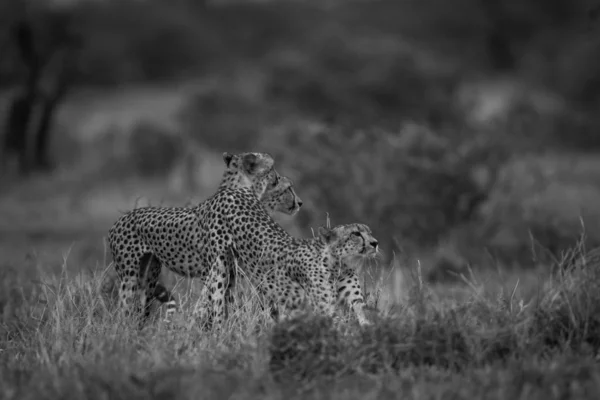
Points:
(144, 239)
(230, 223)
(343, 241)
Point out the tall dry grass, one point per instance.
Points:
(60, 338)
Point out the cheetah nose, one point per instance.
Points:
(374, 243)
(300, 203)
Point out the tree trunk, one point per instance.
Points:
(50, 104)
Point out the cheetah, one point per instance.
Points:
(236, 221)
(345, 241)
(282, 198)
(144, 239)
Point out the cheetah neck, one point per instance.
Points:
(230, 180)
(331, 259)
(236, 180)
(342, 258)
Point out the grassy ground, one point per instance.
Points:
(496, 335)
(62, 340)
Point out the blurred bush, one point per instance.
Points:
(367, 85)
(153, 150)
(127, 40)
(411, 185)
(227, 115)
(540, 207)
(577, 76)
(418, 182)
(357, 102)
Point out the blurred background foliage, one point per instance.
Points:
(461, 131)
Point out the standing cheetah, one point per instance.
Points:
(235, 219)
(282, 198)
(144, 239)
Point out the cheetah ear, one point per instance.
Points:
(327, 235)
(227, 157)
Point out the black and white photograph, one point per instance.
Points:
(300, 199)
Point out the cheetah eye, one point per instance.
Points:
(356, 234)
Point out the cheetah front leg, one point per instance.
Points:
(205, 297)
(217, 284)
(350, 292)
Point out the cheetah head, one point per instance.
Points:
(250, 163)
(281, 197)
(250, 169)
(350, 240)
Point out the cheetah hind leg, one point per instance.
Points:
(149, 273)
(163, 295)
(129, 296)
(290, 299)
(320, 292)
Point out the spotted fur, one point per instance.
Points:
(344, 241)
(144, 239)
(287, 270)
(282, 198)
(350, 292)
